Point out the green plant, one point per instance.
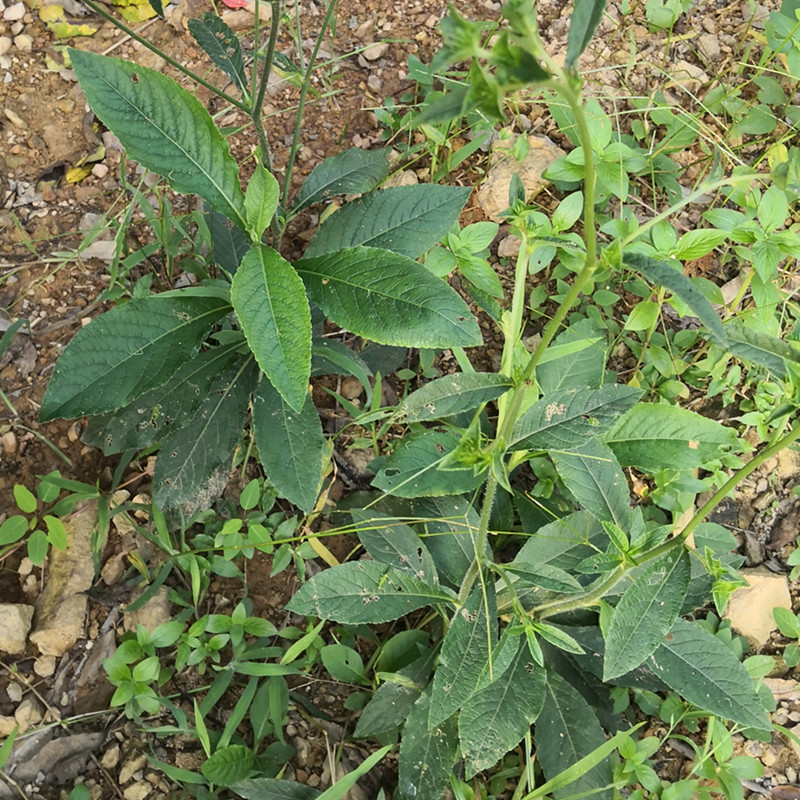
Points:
(789, 625)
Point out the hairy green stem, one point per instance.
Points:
(605, 585)
(287, 180)
(266, 67)
(171, 61)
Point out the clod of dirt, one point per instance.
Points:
(61, 609)
(15, 622)
(493, 194)
(750, 608)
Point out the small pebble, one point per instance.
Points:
(44, 666)
(14, 692)
(14, 12)
(24, 42)
(5, 44)
(375, 51)
(99, 170)
(9, 439)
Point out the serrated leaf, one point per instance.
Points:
(645, 613)
(222, 46)
(229, 243)
(566, 731)
(654, 437)
(495, 720)
(451, 394)
(229, 764)
(595, 479)
(563, 543)
(585, 18)
(365, 591)
(291, 445)
(393, 702)
(670, 278)
(562, 420)
(191, 455)
(427, 756)
(163, 127)
(354, 171)
(411, 470)
(759, 348)
(704, 671)
(406, 219)
(127, 351)
(697, 243)
(465, 652)
(576, 369)
(270, 302)
(392, 542)
(169, 407)
(260, 201)
(388, 298)
(545, 576)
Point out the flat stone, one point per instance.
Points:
(7, 725)
(493, 193)
(153, 613)
(132, 766)
(750, 608)
(5, 44)
(15, 622)
(375, 51)
(137, 791)
(688, 75)
(29, 712)
(24, 42)
(58, 630)
(44, 666)
(709, 46)
(14, 12)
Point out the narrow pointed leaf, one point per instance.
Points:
(365, 591)
(704, 671)
(163, 127)
(290, 444)
(392, 542)
(189, 457)
(270, 301)
(567, 730)
(169, 407)
(465, 653)
(595, 478)
(229, 243)
(127, 351)
(759, 348)
(222, 46)
(670, 278)
(586, 16)
(645, 613)
(427, 756)
(406, 219)
(562, 420)
(495, 720)
(452, 394)
(388, 298)
(653, 437)
(354, 171)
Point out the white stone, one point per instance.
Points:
(44, 666)
(5, 44)
(750, 608)
(14, 12)
(24, 42)
(15, 622)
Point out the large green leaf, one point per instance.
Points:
(596, 480)
(759, 348)
(494, 720)
(406, 219)
(352, 172)
(586, 16)
(192, 455)
(654, 437)
(229, 764)
(577, 368)
(566, 731)
(169, 407)
(392, 703)
(270, 302)
(427, 756)
(392, 542)
(273, 789)
(645, 613)
(365, 591)
(411, 470)
(563, 543)
(452, 394)
(229, 243)
(388, 298)
(673, 279)
(290, 444)
(466, 650)
(222, 46)
(127, 351)
(163, 127)
(704, 671)
(564, 419)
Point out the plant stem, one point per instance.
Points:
(605, 585)
(171, 61)
(258, 103)
(330, 11)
